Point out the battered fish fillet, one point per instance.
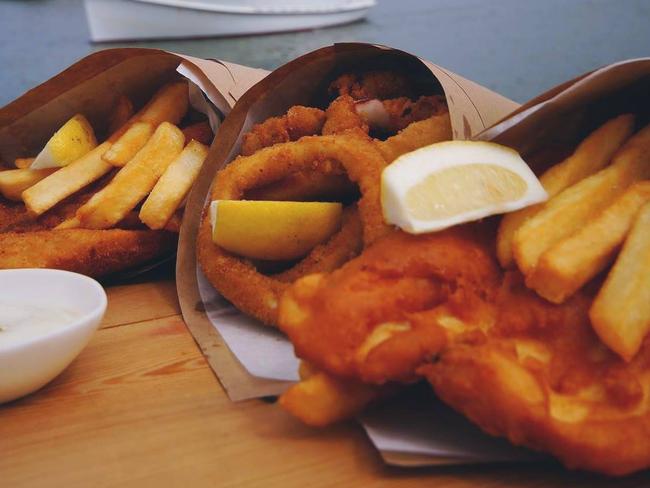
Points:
(437, 306)
(541, 378)
(376, 318)
(26, 242)
(91, 252)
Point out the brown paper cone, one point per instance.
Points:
(92, 86)
(565, 114)
(303, 81)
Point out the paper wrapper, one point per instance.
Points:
(93, 85)
(560, 118)
(252, 360)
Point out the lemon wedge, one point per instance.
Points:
(272, 230)
(74, 139)
(452, 182)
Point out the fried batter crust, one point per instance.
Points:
(541, 378)
(374, 319)
(341, 117)
(298, 122)
(236, 278)
(436, 306)
(91, 252)
(417, 135)
(28, 242)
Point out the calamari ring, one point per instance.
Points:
(416, 135)
(344, 116)
(395, 114)
(299, 121)
(236, 278)
(341, 117)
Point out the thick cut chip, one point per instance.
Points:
(51, 190)
(14, 181)
(169, 104)
(173, 186)
(621, 312)
(322, 400)
(593, 154)
(571, 209)
(568, 265)
(129, 144)
(134, 181)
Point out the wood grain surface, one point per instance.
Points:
(140, 407)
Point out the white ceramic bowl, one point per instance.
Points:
(30, 364)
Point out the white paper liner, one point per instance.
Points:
(263, 351)
(416, 423)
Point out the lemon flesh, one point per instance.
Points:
(454, 182)
(73, 140)
(273, 230)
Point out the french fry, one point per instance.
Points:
(201, 132)
(134, 181)
(593, 154)
(23, 163)
(568, 265)
(568, 211)
(66, 181)
(14, 181)
(320, 400)
(169, 104)
(127, 146)
(173, 185)
(620, 314)
(121, 114)
(71, 223)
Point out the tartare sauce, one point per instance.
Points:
(22, 322)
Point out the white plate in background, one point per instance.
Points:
(111, 20)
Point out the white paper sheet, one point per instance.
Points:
(263, 351)
(415, 422)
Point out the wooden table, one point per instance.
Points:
(141, 407)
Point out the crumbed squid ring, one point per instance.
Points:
(298, 122)
(236, 278)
